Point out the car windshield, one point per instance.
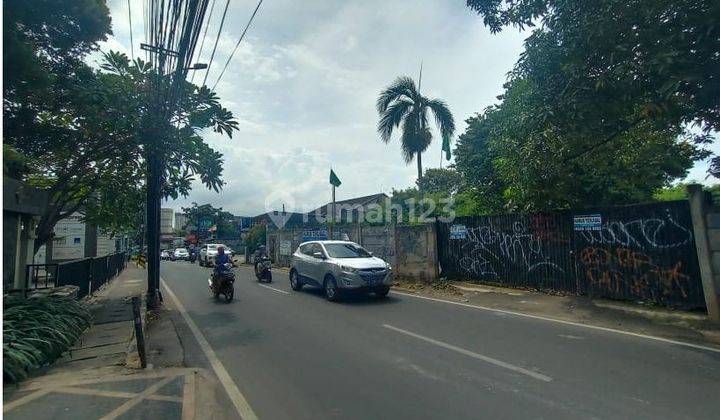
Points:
(346, 251)
(180, 250)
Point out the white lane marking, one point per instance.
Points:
(472, 354)
(239, 401)
(560, 321)
(272, 288)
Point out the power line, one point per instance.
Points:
(202, 43)
(132, 46)
(217, 38)
(236, 45)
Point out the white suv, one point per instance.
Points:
(208, 252)
(338, 266)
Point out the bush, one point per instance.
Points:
(36, 331)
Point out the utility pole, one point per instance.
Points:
(171, 38)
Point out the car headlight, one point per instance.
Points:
(348, 269)
(388, 266)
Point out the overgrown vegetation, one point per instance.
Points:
(609, 102)
(256, 237)
(36, 331)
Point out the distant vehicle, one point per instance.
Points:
(338, 267)
(180, 254)
(208, 252)
(164, 255)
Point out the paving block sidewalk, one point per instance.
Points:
(100, 378)
(91, 380)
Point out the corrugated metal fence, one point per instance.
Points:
(640, 252)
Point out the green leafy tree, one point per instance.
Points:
(90, 155)
(256, 236)
(509, 164)
(601, 72)
(402, 105)
(439, 180)
(223, 220)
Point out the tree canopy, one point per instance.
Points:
(90, 153)
(439, 180)
(600, 106)
(601, 69)
(223, 220)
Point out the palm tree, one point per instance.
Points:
(402, 104)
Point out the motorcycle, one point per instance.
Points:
(193, 257)
(224, 278)
(262, 270)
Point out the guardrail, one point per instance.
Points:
(88, 274)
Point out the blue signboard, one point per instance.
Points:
(321, 234)
(587, 222)
(315, 235)
(458, 232)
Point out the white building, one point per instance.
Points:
(180, 221)
(166, 221)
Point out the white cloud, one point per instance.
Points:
(304, 81)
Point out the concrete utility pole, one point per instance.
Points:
(706, 229)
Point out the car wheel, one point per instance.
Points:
(382, 292)
(331, 290)
(295, 282)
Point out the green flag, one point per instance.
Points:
(334, 180)
(446, 147)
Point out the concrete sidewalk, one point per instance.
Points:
(692, 327)
(99, 377)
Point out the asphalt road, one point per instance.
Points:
(294, 355)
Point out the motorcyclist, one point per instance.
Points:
(220, 260)
(260, 253)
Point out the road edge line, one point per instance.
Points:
(238, 399)
(561, 321)
(487, 359)
(273, 289)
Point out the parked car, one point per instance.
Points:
(208, 252)
(338, 267)
(180, 254)
(165, 255)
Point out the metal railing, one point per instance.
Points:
(88, 274)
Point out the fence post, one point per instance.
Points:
(704, 239)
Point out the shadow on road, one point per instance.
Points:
(354, 298)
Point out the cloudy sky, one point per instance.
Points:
(303, 86)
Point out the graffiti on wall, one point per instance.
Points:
(627, 271)
(489, 250)
(643, 252)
